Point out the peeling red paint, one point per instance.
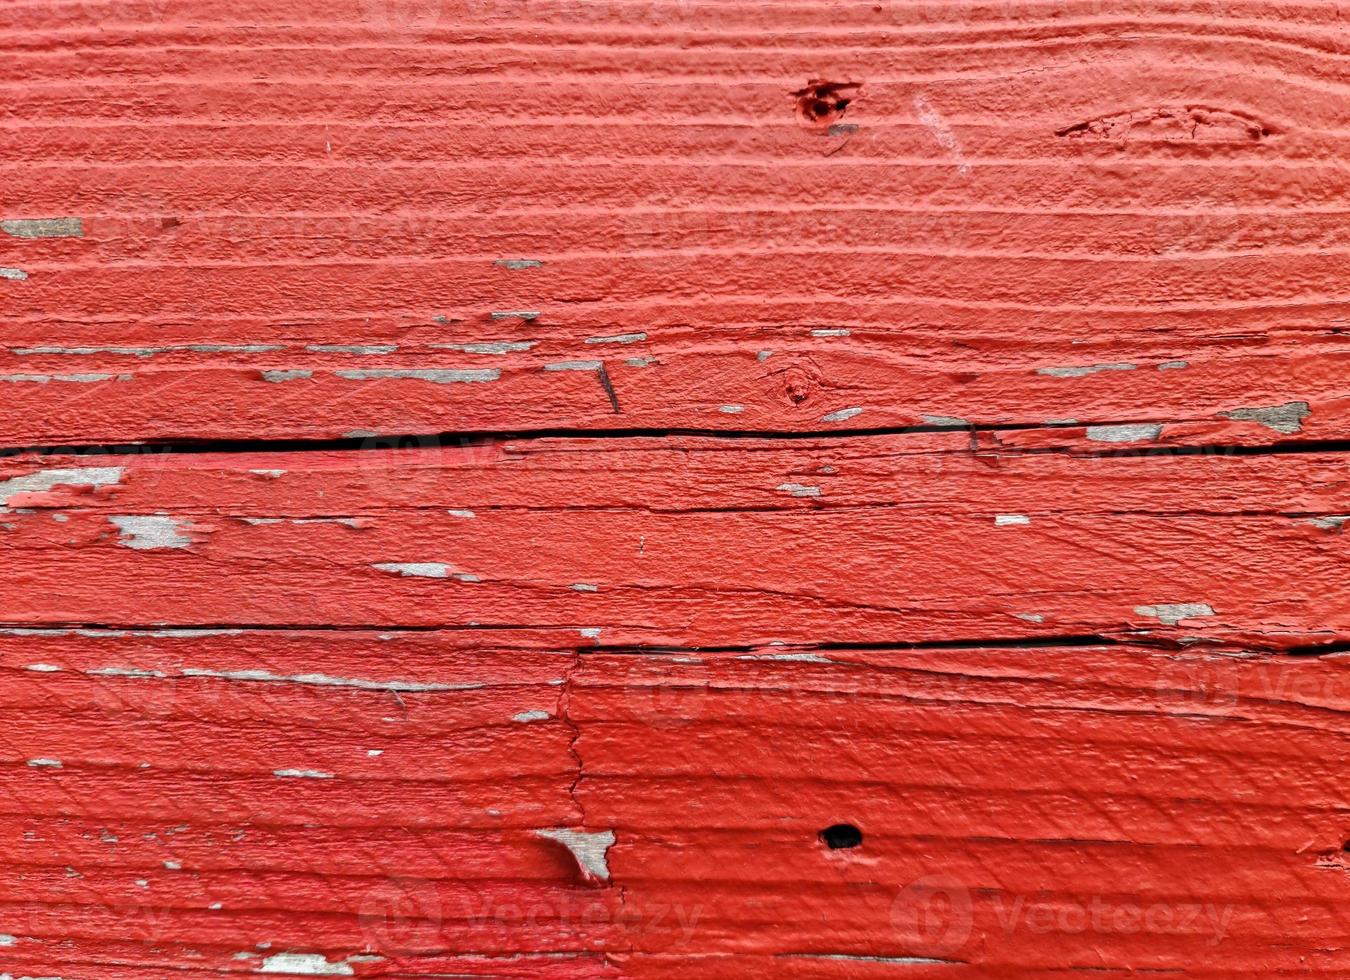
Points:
(640, 489)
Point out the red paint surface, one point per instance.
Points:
(1075, 668)
(1014, 190)
(911, 538)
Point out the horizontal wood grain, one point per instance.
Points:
(694, 543)
(1057, 793)
(398, 217)
(485, 483)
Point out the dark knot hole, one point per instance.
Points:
(841, 836)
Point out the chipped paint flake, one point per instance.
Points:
(305, 964)
(1172, 613)
(589, 849)
(301, 774)
(18, 275)
(141, 672)
(518, 264)
(799, 489)
(44, 763)
(830, 332)
(293, 374)
(843, 415)
(326, 680)
(1079, 372)
(42, 379)
(574, 366)
(43, 227)
(435, 376)
(415, 569)
(584, 587)
(1285, 419)
(87, 351)
(731, 409)
(45, 480)
(618, 338)
(234, 348)
(1141, 432)
(515, 315)
(148, 532)
(360, 349)
(490, 346)
(1007, 520)
(1173, 365)
(533, 715)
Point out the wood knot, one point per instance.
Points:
(799, 385)
(821, 104)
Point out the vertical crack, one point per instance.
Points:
(626, 943)
(564, 714)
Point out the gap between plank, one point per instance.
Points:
(434, 440)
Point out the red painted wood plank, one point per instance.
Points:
(1013, 781)
(945, 545)
(287, 227)
(1065, 664)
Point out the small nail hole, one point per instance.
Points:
(841, 836)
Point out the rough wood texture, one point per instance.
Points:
(488, 483)
(430, 215)
(690, 543)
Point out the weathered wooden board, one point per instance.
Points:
(486, 484)
(394, 216)
(213, 798)
(694, 543)
(1161, 791)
